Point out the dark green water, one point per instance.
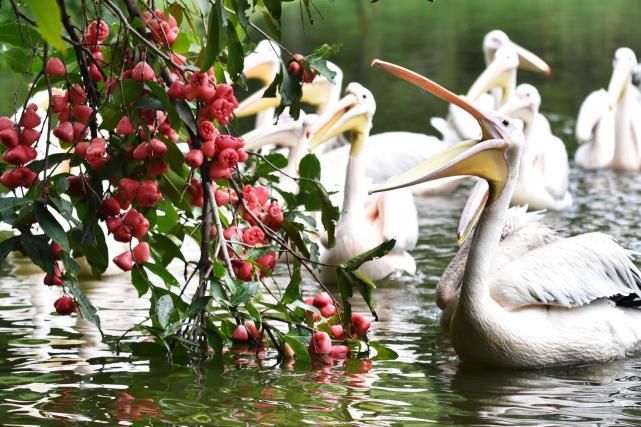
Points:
(56, 371)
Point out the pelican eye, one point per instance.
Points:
(505, 123)
(364, 96)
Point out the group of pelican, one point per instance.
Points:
(517, 294)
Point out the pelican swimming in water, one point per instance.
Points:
(544, 172)
(549, 306)
(365, 221)
(459, 125)
(609, 123)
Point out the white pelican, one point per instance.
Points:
(459, 125)
(365, 221)
(551, 305)
(544, 172)
(595, 131)
(623, 101)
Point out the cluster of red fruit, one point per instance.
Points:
(65, 304)
(247, 332)
(18, 140)
(298, 68)
(163, 30)
(321, 342)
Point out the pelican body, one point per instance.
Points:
(550, 306)
(609, 122)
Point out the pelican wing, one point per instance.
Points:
(567, 272)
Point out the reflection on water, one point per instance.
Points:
(56, 369)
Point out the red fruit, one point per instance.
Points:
(142, 72)
(328, 311)
(56, 250)
(253, 236)
(360, 325)
(142, 151)
(124, 261)
(19, 177)
(82, 113)
(157, 167)
(113, 223)
(96, 150)
(29, 136)
(223, 104)
(322, 299)
(240, 334)
(30, 119)
(80, 131)
(207, 130)
(19, 155)
(158, 147)
(6, 123)
(262, 195)
(78, 186)
(295, 69)
(268, 261)
(97, 32)
(222, 197)
(216, 171)
(200, 87)
(64, 132)
(9, 137)
(339, 351)
(228, 141)
(125, 127)
(228, 158)
(148, 194)
(77, 95)
(59, 102)
(65, 305)
(54, 279)
(338, 332)
(208, 148)
(141, 253)
(136, 222)
(128, 188)
(320, 343)
(55, 68)
(81, 148)
(176, 90)
(274, 216)
(244, 270)
(194, 158)
(230, 233)
(95, 74)
(309, 300)
(110, 207)
(122, 234)
(253, 331)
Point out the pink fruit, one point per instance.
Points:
(240, 334)
(148, 194)
(244, 271)
(9, 137)
(125, 127)
(268, 261)
(158, 147)
(176, 90)
(54, 279)
(328, 310)
(253, 236)
(142, 72)
(194, 158)
(339, 351)
(141, 253)
(29, 136)
(338, 332)
(64, 132)
(30, 119)
(55, 68)
(110, 207)
(65, 305)
(253, 331)
(360, 325)
(320, 343)
(124, 261)
(322, 299)
(208, 148)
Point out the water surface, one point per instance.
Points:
(56, 369)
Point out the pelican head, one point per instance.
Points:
(263, 63)
(500, 73)
(352, 113)
(496, 39)
(494, 158)
(320, 93)
(524, 105)
(286, 132)
(624, 63)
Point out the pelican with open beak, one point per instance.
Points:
(365, 221)
(503, 58)
(549, 306)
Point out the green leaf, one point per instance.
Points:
(161, 94)
(87, 310)
(17, 34)
(377, 252)
(365, 287)
(140, 280)
(54, 159)
(160, 271)
(8, 245)
(253, 311)
(235, 54)
(169, 217)
(309, 168)
(244, 293)
(215, 35)
(382, 352)
(329, 215)
(293, 234)
(292, 293)
(49, 21)
(149, 102)
(197, 305)
(164, 309)
(291, 90)
(300, 349)
(37, 248)
(345, 288)
(50, 226)
(214, 336)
